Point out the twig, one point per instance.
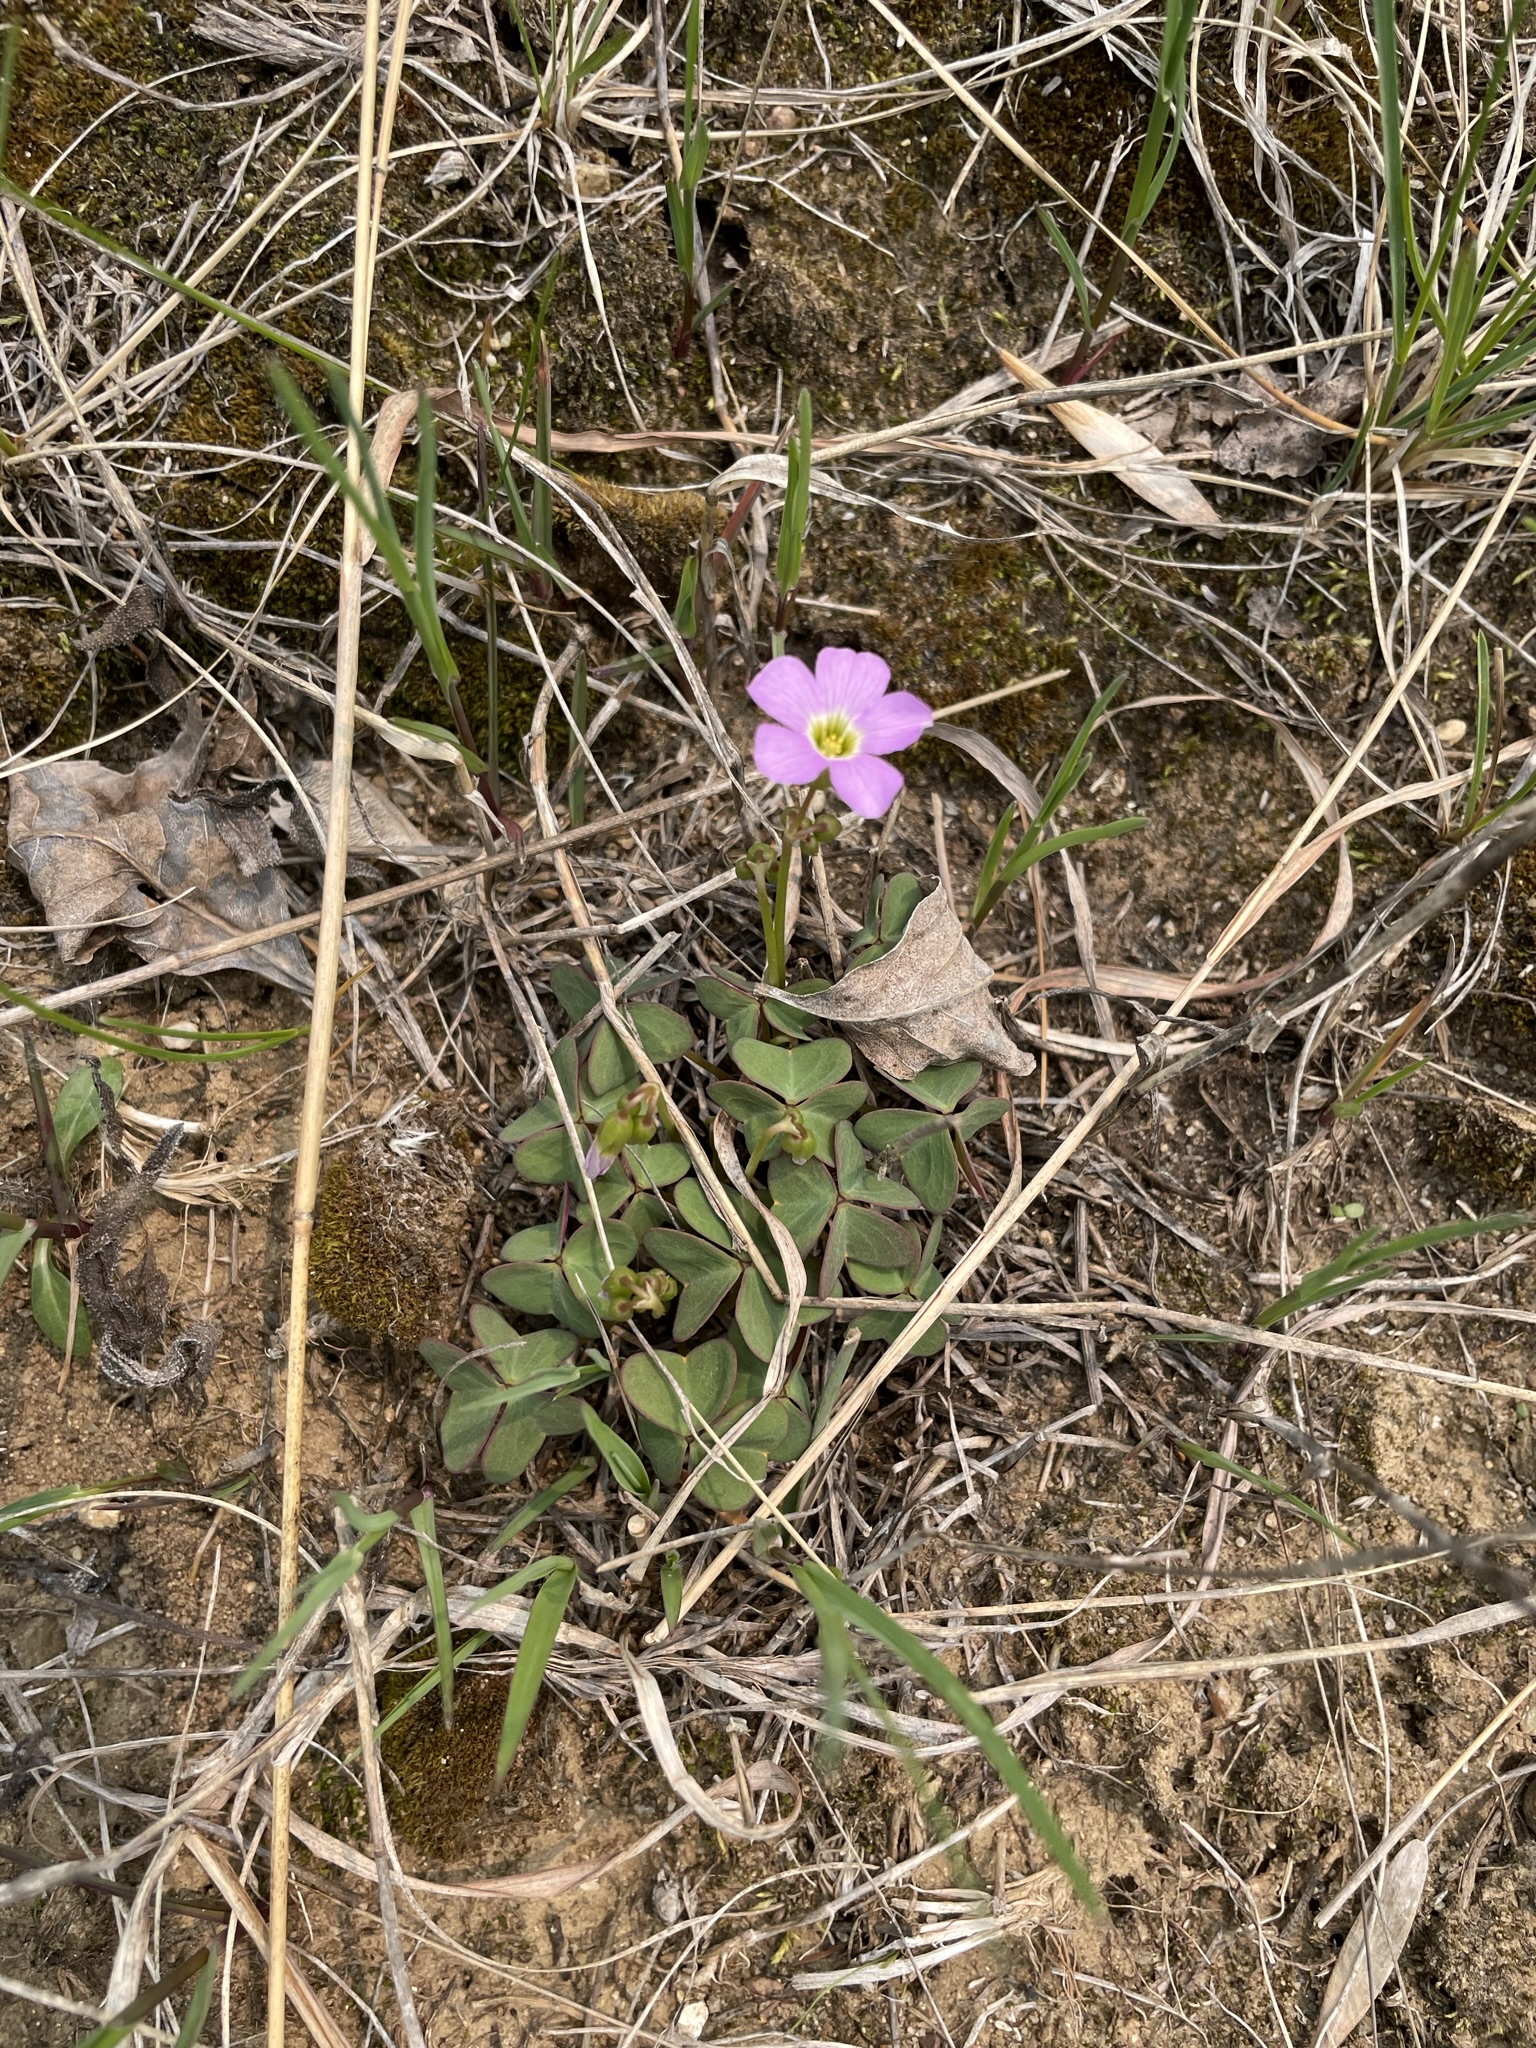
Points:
(306, 1173)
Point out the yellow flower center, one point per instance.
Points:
(833, 736)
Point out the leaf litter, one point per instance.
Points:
(151, 858)
(923, 1001)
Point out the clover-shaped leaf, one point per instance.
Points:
(745, 1013)
(793, 1072)
(542, 1277)
(942, 1087)
(869, 1239)
(803, 1198)
(759, 1318)
(694, 1207)
(664, 1033)
(675, 1391)
(707, 1273)
(505, 1399)
(855, 1182)
(817, 1115)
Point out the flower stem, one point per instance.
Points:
(775, 968)
(778, 948)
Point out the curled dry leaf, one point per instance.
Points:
(397, 415)
(924, 1000)
(1139, 463)
(130, 855)
(1368, 1959)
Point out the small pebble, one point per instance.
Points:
(1452, 733)
(691, 2021)
(667, 1899)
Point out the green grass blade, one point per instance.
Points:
(1082, 290)
(378, 520)
(1366, 1258)
(525, 1576)
(1479, 735)
(428, 1684)
(576, 786)
(837, 1665)
(321, 1588)
(316, 1593)
(625, 1464)
(47, 1134)
(982, 901)
(32, 1507)
(121, 2025)
(143, 1040)
(832, 1599)
(1399, 223)
(1075, 762)
(1349, 1106)
(1036, 850)
(190, 2030)
(533, 1655)
(7, 81)
(795, 519)
(541, 1503)
(1217, 1463)
(672, 1588)
(424, 1523)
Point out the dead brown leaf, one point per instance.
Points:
(133, 856)
(924, 1000)
(1280, 444)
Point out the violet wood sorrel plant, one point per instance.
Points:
(685, 1322)
(831, 729)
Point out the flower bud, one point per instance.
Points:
(632, 1122)
(627, 1294)
(799, 1143)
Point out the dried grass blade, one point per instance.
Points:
(724, 1815)
(424, 1523)
(1139, 463)
(323, 2030)
(1368, 1959)
(524, 1885)
(372, 156)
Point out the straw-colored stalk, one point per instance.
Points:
(372, 162)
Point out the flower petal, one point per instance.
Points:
(895, 722)
(866, 784)
(786, 690)
(785, 756)
(849, 681)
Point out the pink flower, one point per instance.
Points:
(838, 722)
